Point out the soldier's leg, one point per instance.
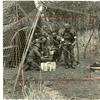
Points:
(72, 56)
(55, 56)
(28, 64)
(27, 67)
(59, 54)
(66, 56)
(35, 65)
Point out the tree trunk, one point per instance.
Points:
(84, 54)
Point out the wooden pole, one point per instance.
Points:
(25, 53)
(16, 36)
(84, 54)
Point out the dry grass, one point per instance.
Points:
(39, 91)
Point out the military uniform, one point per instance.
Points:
(56, 42)
(33, 58)
(68, 47)
(44, 46)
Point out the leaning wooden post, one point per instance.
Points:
(25, 53)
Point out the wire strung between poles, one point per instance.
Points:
(25, 53)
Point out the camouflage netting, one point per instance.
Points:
(16, 28)
(19, 16)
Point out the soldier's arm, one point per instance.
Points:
(75, 37)
(74, 43)
(37, 53)
(30, 53)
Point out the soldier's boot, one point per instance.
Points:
(71, 65)
(67, 65)
(35, 66)
(27, 68)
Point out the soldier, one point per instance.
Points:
(56, 41)
(68, 46)
(44, 45)
(34, 57)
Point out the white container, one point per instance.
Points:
(48, 66)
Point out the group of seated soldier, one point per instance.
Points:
(50, 47)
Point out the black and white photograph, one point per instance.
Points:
(51, 50)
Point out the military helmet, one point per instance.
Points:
(37, 45)
(37, 40)
(43, 38)
(54, 33)
(67, 25)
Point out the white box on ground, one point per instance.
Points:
(48, 66)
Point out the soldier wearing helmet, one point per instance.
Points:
(56, 42)
(34, 56)
(68, 46)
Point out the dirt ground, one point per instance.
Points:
(69, 83)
